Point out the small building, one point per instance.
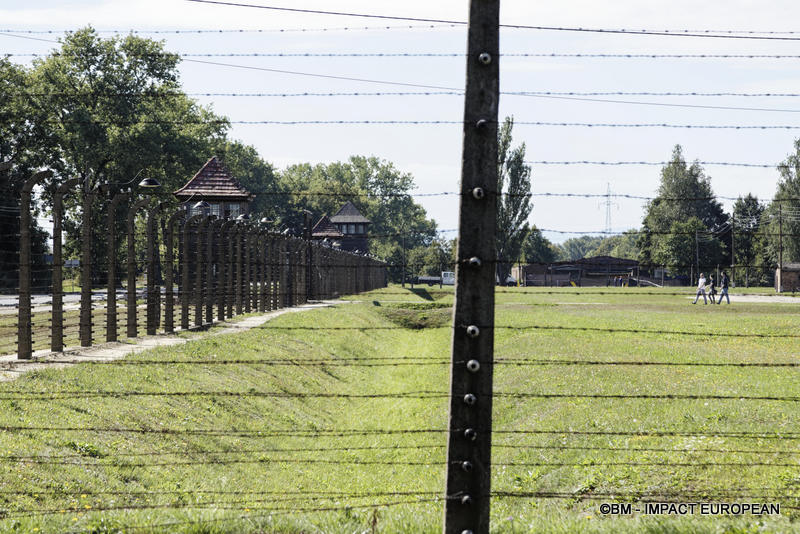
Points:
(594, 271)
(353, 226)
(215, 185)
(787, 278)
(326, 230)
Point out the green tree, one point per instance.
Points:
(576, 248)
(784, 211)
(114, 110)
(255, 175)
(514, 204)
(684, 193)
(429, 260)
(686, 242)
(750, 245)
(619, 246)
(379, 191)
(20, 142)
(538, 249)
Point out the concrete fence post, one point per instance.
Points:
(57, 306)
(24, 328)
(85, 326)
(133, 329)
(111, 289)
(169, 271)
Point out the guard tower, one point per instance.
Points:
(353, 227)
(215, 185)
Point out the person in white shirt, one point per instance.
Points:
(701, 289)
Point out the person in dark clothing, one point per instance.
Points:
(712, 290)
(724, 283)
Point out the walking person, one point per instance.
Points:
(701, 289)
(712, 288)
(723, 288)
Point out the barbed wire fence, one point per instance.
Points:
(208, 270)
(236, 267)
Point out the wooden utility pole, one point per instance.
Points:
(469, 445)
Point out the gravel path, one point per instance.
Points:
(11, 368)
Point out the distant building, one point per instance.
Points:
(215, 185)
(788, 277)
(594, 271)
(353, 226)
(326, 230)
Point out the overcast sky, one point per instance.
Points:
(432, 152)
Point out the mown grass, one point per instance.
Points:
(264, 490)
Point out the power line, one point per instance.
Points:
(433, 55)
(345, 28)
(644, 163)
(419, 93)
(239, 30)
(429, 122)
(721, 34)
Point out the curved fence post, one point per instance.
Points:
(212, 266)
(111, 291)
(224, 268)
(153, 295)
(238, 267)
(247, 293)
(24, 330)
(57, 306)
(169, 271)
(185, 289)
(130, 289)
(85, 326)
(200, 288)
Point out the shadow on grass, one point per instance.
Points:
(422, 293)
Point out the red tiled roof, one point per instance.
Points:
(325, 228)
(349, 214)
(213, 180)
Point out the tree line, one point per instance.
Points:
(111, 111)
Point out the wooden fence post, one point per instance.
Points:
(469, 446)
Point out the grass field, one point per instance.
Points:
(185, 460)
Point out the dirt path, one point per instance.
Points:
(767, 299)
(11, 368)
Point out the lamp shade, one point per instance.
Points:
(149, 183)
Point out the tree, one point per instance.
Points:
(578, 247)
(750, 246)
(684, 193)
(20, 140)
(784, 211)
(513, 200)
(379, 191)
(687, 242)
(429, 260)
(538, 249)
(255, 175)
(619, 246)
(113, 109)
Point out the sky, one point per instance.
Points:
(432, 153)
